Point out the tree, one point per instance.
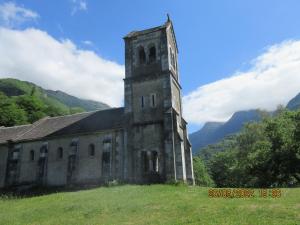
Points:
(33, 106)
(10, 113)
(265, 154)
(202, 178)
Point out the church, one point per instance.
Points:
(144, 142)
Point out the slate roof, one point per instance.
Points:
(87, 122)
(9, 133)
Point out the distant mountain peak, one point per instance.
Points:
(294, 103)
(213, 132)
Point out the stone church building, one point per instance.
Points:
(146, 141)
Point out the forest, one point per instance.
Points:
(264, 154)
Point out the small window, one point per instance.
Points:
(142, 102)
(153, 100)
(152, 54)
(142, 55)
(31, 155)
(60, 153)
(91, 150)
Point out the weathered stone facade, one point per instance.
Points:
(144, 142)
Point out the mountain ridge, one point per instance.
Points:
(15, 87)
(205, 137)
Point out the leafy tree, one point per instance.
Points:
(202, 178)
(10, 113)
(33, 106)
(265, 154)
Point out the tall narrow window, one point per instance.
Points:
(60, 153)
(32, 155)
(153, 100)
(92, 150)
(155, 161)
(152, 54)
(142, 55)
(145, 162)
(142, 102)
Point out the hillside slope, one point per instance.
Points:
(23, 102)
(294, 103)
(214, 132)
(13, 87)
(72, 101)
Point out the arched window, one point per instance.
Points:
(152, 54)
(60, 153)
(32, 155)
(155, 161)
(142, 55)
(91, 150)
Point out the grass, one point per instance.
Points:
(155, 204)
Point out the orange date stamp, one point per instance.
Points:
(244, 193)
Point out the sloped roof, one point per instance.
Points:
(9, 133)
(64, 125)
(98, 121)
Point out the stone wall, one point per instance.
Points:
(88, 163)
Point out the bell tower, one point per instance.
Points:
(157, 147)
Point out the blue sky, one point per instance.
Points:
(217, 39)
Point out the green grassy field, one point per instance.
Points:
(155, 204)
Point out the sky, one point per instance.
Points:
(233, 55)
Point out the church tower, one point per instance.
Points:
(157, 148)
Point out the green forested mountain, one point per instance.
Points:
(213, 132)
(71, 101)
(23, 102)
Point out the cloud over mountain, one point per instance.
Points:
(33, 55)
(273, 79)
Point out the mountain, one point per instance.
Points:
(204, 136)
(294, 103)
(213, 132)
(59, 99)
(72, 101)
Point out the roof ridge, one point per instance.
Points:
(23, 125)
(75, 114)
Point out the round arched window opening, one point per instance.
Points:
(142, 55)
(152, 54)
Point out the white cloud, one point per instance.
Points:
(87, 42)
(78, 5)
(12, 15)
(35, 56)
(273, 79)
